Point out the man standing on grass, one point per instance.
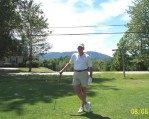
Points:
(81, 63)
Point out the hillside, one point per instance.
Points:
(63, 54)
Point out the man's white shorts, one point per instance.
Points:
(80, 78)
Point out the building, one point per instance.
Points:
(13, 61)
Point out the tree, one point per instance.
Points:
(117, 59)
(33, 29)
(135, 41)
(98, 65)
(8, 22)
(138, 42)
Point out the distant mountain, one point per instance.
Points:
(63, 54)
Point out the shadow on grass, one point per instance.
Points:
(19, 90)
(91, 115)
(16, 91)
(100, 82)
(109, 88)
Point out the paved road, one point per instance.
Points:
(65, 73)
(9, 68)
(31, 73)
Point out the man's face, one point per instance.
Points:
(80, 50)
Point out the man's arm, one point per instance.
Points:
(65, 67)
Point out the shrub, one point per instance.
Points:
(35, 64)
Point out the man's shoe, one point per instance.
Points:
(88, 106)
(80, 110)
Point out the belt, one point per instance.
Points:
(81, 70)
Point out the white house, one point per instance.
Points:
(13, 60)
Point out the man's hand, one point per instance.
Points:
(89, 80)
(61, 72)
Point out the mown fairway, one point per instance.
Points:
(112, 97)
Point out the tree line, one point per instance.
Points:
(56, 64)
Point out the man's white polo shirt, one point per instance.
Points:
(80, 62)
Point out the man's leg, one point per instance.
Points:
(81, 93)
(87, 104)
(83, 89)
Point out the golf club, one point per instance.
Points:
(58, 86)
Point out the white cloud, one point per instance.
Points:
(65, 14)
(126, 17)
(115, 7)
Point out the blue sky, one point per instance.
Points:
(102, 13)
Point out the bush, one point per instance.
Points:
(35, 64)
(22, 65)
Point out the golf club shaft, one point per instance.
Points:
(58, 86)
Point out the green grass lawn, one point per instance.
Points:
(112, 97)
(37, 70)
